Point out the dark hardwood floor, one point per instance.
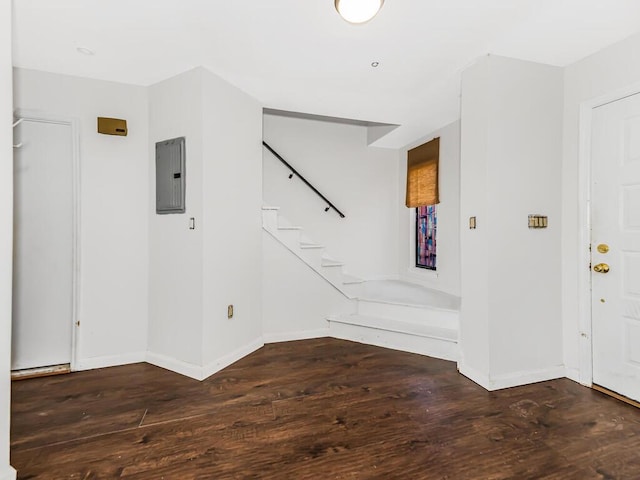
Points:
(325, 409)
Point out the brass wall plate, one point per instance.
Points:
(112, 126)
(603, 248)
(472, 223)
(538, 221)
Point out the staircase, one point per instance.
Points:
(314, 255)
(390, 313)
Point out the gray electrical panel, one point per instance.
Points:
(170, 176)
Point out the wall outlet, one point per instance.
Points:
(230, 311)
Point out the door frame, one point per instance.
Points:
(73, 123)
(584, 214)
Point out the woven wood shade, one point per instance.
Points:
(422, 174)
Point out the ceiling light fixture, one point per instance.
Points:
(358, 11)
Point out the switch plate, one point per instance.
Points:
(230, 311)
(538, 221)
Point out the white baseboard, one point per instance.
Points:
(292, 336)
(8, 474)
(573, 374)
(198, 372)
(516, 379)
(475, 376)
(109, 361)
(178, 366)
(230, 358)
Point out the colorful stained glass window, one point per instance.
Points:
(426, 226)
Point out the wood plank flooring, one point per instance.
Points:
(325, 409)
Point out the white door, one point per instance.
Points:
(615, 216)
(43, 245)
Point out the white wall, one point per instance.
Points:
(474, 157)
(6, 235)
(520, 164)
(113, 200)
(195, 274)
(296, 300)
(360, 180)
(175, 252)
(447, 276)
(610, 70)
(232, 197)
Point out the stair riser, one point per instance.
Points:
(332, 274)
(270, 220)
(424, 316)
(291, 238)
(443, 349)
(313, 256)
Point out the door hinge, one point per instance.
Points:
(78, 323)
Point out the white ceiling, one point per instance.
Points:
(300, 56)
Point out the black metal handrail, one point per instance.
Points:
(295, 172)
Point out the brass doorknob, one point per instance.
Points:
(601, 268)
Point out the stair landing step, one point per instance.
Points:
(399, 326)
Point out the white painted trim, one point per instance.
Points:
(198, 372)
(584, 241)
(73, 123)
(230, 358)
(516, 379)
(474, 375)
(177, 366)
(110, 361)
(573, 374)
(293, 336)
(524, 378)
(9, 474)
(585, 376)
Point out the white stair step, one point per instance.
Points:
(312, 255)
(310, 246)
(351, 280)
(400, 326)
(290, 236)
(409, 313)
(326, 262)
(293, 237)
(424, 340)
(332, 273)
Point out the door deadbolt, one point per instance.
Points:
(603, 248)
(601, 268)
